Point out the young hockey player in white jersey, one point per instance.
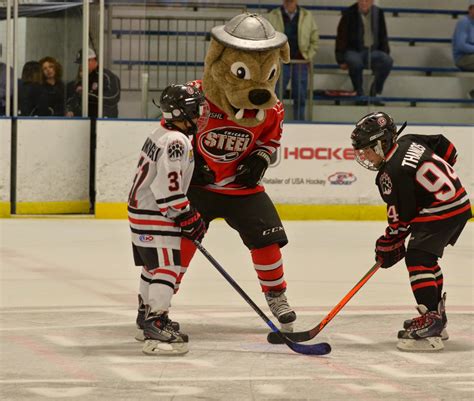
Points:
(424, 197)
(161, 216)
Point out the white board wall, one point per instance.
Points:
(5, 166)
(52, 160)
(315, 164)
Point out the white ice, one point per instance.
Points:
(68, 299)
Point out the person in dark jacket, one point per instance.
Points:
(362, 42)
(111, 90)
(31, 94)
(53, 85)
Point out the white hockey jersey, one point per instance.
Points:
(159, 189)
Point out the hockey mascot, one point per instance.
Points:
(232, 153)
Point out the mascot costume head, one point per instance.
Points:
(242, 67)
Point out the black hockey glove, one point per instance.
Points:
(202, 174)
(192, 225)
(251, 170)
(389, 250)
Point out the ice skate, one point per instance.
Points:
(281, 309)
(442, 312)
(140, 336)
(423, 334)
(161, 338)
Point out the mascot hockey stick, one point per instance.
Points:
(301, 336)
(307, 349)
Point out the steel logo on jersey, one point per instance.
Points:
(225, 144)
(386, 184)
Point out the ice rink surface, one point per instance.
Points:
(68, 306)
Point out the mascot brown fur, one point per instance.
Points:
(239, 79)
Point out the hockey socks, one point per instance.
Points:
(426, 278)
(268, 264)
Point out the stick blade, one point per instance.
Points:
(310, 349)
(299, 337)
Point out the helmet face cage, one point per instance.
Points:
(376, 131)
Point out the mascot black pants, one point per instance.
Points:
(253, 216)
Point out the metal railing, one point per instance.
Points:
(150, 52)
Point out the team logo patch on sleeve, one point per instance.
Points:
(386, 184)
(175, 150)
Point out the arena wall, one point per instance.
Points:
(314, 175)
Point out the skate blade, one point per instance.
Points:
(155, 347)
(139, 335)
(430, 344)
(286, 327)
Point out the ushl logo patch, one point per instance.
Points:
(386, 184)
(175, 150)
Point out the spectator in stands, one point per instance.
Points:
(463, 42)
(362, 42)
(111, 90)
(53, 85)
(3, 87)
(303, 37)
(31, 94)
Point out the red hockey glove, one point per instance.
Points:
(192, 225)
(251, 170)
(389, 250)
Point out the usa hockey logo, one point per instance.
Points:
(386, 184)
(175, 150)
(145, 238)
(225, 144)
(342, 178)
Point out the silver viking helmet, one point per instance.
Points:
(249, 32)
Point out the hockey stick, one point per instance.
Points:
(308, 335)
(307, 349)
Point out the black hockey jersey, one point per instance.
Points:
(419, 184)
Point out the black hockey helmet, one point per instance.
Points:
(377, 131)
(184, 103)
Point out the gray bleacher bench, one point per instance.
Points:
(413, 101)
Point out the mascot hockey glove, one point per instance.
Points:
(389, 250)
(202, 174)
(252, 168)
(192, 225)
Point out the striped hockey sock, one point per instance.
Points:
(187, 252)
(423, 280)
(268, 264)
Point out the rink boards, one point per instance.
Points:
(314, 175)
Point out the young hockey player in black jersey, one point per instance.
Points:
(161, 217)
(424, 197)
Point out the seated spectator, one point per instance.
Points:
(3, 87)
(53, 85)
(362, 42)
(299, 25)
(463, 42)
(31, 94)
(111, 90)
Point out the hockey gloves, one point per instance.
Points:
(202, 174)
(192, 225)
(389, 250)
(252, 168)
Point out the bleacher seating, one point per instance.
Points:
(420, 38)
